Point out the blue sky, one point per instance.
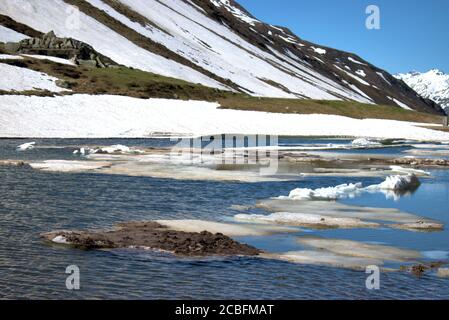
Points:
(414, 34)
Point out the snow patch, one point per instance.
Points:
(50, 58)
(10, 57)
(319, 50)
(356, 61)
(106, 116)
(60, 240)
(22, 79)
(360, 72)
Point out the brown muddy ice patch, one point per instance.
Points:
(154, 236)
(421, 269)
(14, 163)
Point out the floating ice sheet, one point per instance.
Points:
(360, 249)
(229, 229)
(331, 209)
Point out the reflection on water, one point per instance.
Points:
(33, 202)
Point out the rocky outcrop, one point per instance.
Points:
(152, 235)
(51, 45)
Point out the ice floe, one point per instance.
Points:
(329, 193)
(285, 209)
(345, 253)
(360, 249)
(26, 146)
(229, 229)
(364, 142)
(68, 166)
(306, 220)
(443, 272)
(398, 183)
(416, 172)
(325, 258)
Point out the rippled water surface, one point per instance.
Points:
(33, 202)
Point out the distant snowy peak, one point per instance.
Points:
(433, 85)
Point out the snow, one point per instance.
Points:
(10, 57)
(356, 61)
(26, 146)
(239, 14)
(54, 59)
(360, 72)
(403, 170)
(52, 15)
(433, 85)
(83, 116)
(60, 239)
(319, 50)
(9, 35)
(329, 193)
(353, 76)
(380, 74)
(398, 183)
(22, 79)
(399, 103)
(391, 183)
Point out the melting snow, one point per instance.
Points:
(356, 61)
(22, 79)
(319, 50)
(118, 116)
(54, 59)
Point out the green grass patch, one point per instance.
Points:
(343, 108)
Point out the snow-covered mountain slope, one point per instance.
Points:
(216, 43)
(433, 85)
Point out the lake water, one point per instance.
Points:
(32, 202)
